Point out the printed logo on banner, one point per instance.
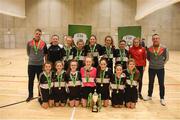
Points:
(79, 36)
(129, 39)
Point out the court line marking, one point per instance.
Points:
(11, 104)
(73, 113)
(13, 76)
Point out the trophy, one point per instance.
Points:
(96, 104)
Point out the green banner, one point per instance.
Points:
(80, 32)
(128, 33)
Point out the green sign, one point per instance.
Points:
(128, 33)
(80, 32)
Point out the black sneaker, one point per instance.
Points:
(140, 97)
(29, 98)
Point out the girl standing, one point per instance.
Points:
(88, 74)
(79, 54)
(132, 76)
(59, 91)
(73, 78)
(69, 51)
(121, 54)
(108, 51)
(45, 86)
(103, 80)
(117, 85)
(94, 50)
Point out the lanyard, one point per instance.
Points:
(59, 78)
(48, 78)
(86, 76)
(67, 52)
(117, 81)
(108, 51)
(156, 52)
(36, 47)
(79, 52)
(131, 76)
(122, 54)
(74, 78)
(92, 49)
(102, 74)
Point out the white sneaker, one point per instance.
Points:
(163, 103)
(147, 98)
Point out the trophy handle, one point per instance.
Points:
(99, 102)
(89, 101)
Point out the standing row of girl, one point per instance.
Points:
(75, 85)
(69, 51)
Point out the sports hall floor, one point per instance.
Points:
(13, 88)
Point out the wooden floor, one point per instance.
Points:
(13, 88)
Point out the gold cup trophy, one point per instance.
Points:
(96, 102)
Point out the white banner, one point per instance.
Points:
(13, 8)
(146, 7)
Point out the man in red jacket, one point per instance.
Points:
(138, 53)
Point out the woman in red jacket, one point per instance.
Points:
(138, 53)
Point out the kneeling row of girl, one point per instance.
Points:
(56, 88)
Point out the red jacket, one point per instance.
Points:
(138, 54)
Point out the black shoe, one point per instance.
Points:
(29, 98)
(140, 97)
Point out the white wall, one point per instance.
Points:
(13, 7)
(53, 17)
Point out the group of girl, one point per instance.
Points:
(71, 73)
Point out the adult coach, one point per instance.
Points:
(157, 56)
(36, 50)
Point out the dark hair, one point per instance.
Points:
(122, 41)
(117, 65)
(143, 39)
(112, 41)
(69, 67)
(39, 30)
(102, 59)
(155, 34)
(52, 37)
(55, 35)
(47, 62)
(93, 36)
(80, 40)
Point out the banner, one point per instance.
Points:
(79, 32)
(128, 33)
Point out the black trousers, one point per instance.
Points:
(33, 70)
(141, 70)
(160, 75)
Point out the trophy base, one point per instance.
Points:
(95, 109)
